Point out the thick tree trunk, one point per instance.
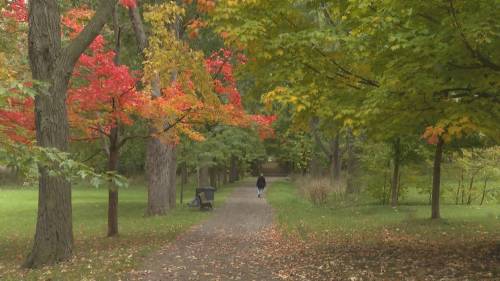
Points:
(53, 65)
(436, 180)
(160, 163)
(233, 169)
(395, 172)
(203, 176)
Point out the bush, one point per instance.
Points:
(316, 190)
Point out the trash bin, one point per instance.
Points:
(208, 190)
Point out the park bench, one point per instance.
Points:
(204, 201)
(204, 198)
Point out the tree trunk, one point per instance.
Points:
(184, 180)
(224, 175)
(213, 176)
(484, 191)
(459, 186)
(114, 146)
(203, 176)
(160, 163)
(471, 184)
(53, 65)
(241, 170)
(314, 162)
(384, 188)
(233, 169)
(395, 172)
(113, 190)
(219, 177)
(172, 172)
(314, 166)
(351, 164)
(436, 179)
(335, 159)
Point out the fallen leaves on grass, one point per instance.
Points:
(397, 256)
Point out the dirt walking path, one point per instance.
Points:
(224, 247)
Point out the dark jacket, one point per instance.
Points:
(261, 182)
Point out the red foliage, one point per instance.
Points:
(17, 11)
(220, 66)
(432, 134)
(102, 94)
(18, 120)
(128, 3)
(265, 125)
(203, 6)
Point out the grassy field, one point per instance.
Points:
(370, 221)
(363, 241)
(96, 257)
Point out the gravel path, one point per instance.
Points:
(225, 247)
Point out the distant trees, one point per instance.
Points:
(378, 71)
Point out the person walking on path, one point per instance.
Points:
(261, 184)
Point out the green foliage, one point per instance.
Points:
(221, 144)
(27, 159)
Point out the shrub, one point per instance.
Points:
(317, 190)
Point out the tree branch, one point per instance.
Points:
(485, 61)
(79, 44)
(314, 129)
(128, 138)
(330, 77)
(138, 26)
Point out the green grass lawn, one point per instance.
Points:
(96, 257)
(371, 222)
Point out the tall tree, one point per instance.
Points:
(161, 162)
(52, 64)
(101, 102)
